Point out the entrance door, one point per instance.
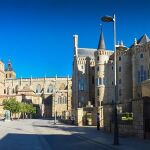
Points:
(147, 117)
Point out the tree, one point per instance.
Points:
(23, 109)
(12, 105)
(30, 109)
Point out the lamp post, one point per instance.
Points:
(55, 101)
(113, 19)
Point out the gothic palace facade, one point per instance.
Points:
(93, 81)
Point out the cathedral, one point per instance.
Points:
(50, 95)
(93, 83)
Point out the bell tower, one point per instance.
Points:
(10, 74)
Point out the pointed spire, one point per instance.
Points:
(9, 66)
(101, 44)
(135, 41)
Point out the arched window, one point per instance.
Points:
(141, 55)
(38, 88)
(16, 89)
(81, 84)
(65, 100)
(13, 90)
(82, 101)
(50, 89)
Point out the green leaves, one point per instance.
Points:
(12, 105)
(18, 107)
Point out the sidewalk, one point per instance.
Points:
(106, 139)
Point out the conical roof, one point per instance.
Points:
(101, 44)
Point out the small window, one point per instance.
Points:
(112, 67)
(97, 58)
(97, 68)
(6, 75)
(119, 81)
(101, 103)
(112, 83)
(120, 58)
(81, 67)
(141, 55)
(119, 69)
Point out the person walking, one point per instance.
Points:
(98, 121)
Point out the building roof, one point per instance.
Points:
(86, 52)
(143, 40)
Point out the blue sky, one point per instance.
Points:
(37, 35)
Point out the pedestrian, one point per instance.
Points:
(98, 121)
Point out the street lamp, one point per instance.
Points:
(55, 91)
(113, 19)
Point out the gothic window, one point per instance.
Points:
(50, 89)
(16, 89)
(97, 58)
(38, 88)
(65, 101)
(100, 81)
(119, 68)
(101, 103)
(82, 67)
(59, 100)
(97, 81)
(82, 101)
(120, 58)
(141, 55)
(82, 84)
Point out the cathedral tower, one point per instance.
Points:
(10, 74)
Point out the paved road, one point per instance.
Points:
(42, 135)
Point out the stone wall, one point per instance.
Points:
(138, 120)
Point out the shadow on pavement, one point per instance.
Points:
(44, 142)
